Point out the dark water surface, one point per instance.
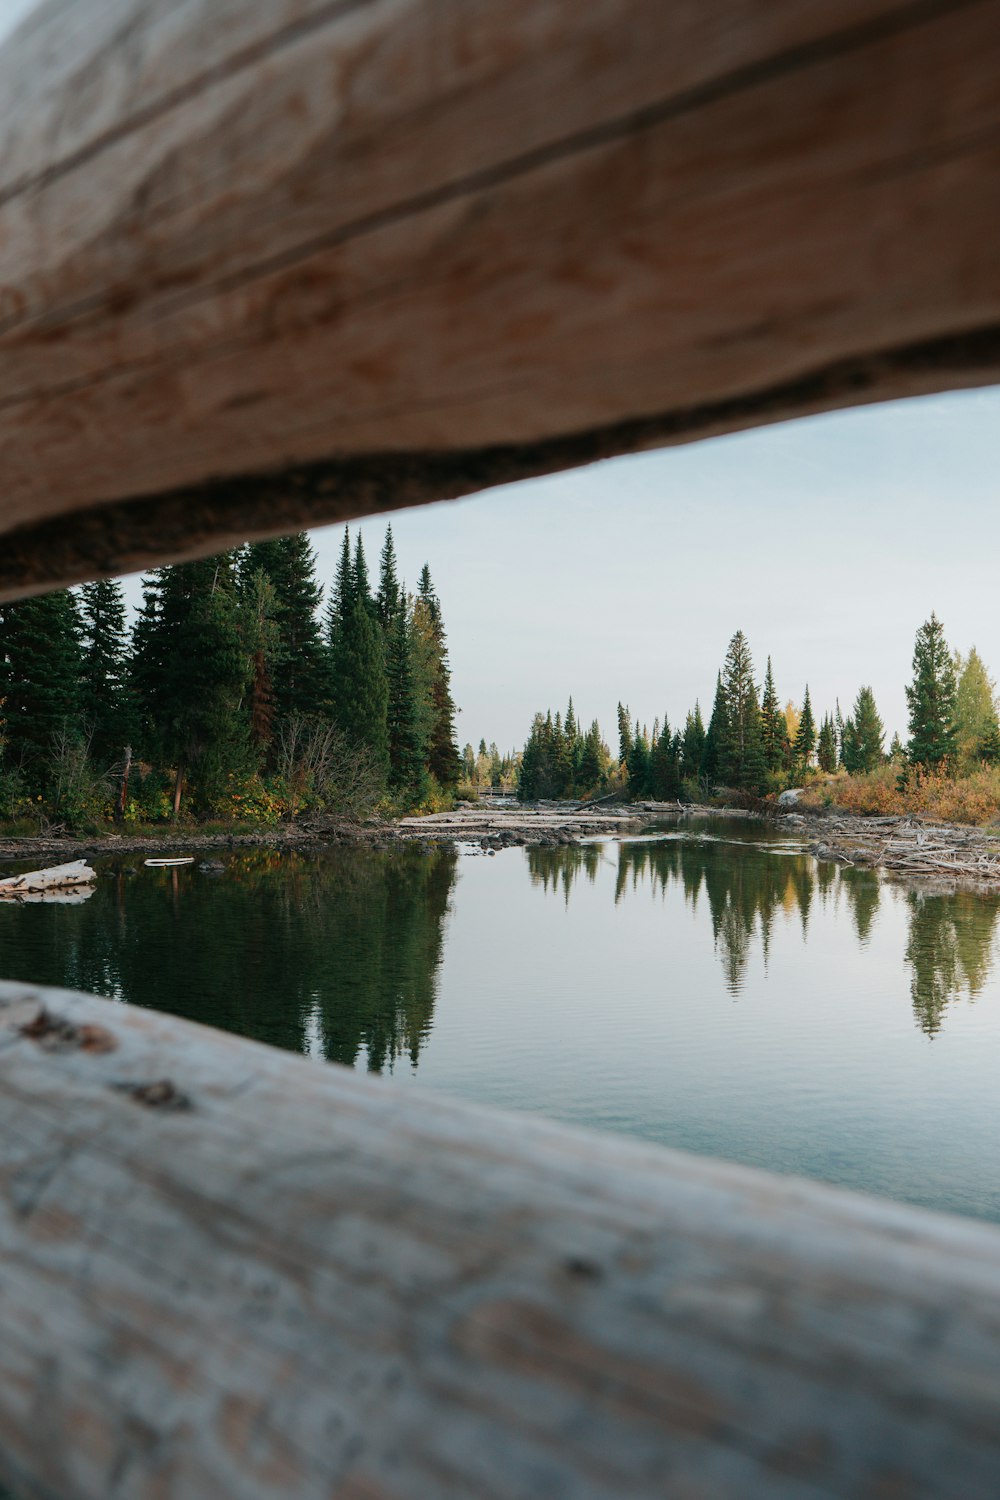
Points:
(715, 989)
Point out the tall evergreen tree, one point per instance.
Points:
(593, 760)
(692, 745)
(190, 673)
(805, 736)
(826, 745)
(715, 736)
(104, 699)
(664, 765)
(774, 730)
(931, 698)
(741, 749)
(357, 657)
(638, 766)
(40, 680)
(409, 720)
(390, 597)
(624, 735)
(442, 760)
(297, 661)
(867, 734)
(850, 755)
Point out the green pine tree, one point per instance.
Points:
(805, 737)
(357, 658)
(664, 769)
(715, 736)
(104, 697)
(442, 757)
(826, 745)
(624, 735)
(40, 681)
(774, 729)
(190, 674)
(594, 761)
(741, 746)
(931, 699)
(692, 745)
(639, 767)
(868, 733)
(298, 662)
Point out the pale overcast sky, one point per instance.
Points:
(828, 541)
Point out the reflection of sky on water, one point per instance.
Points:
(714, 992)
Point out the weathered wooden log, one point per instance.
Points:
(229, 1273)
(41, 882)
(264, 265)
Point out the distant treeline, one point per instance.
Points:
(755, 744)
(231, 695)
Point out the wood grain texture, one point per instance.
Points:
(263, 265)
(229, 1273)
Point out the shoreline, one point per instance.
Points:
(936, 855)
(546, 824)
(904, 847)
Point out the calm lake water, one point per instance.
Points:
(712, 987)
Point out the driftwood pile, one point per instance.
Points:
(909, 847)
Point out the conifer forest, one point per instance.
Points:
(236, 694)
(244, 693)
(755, 744)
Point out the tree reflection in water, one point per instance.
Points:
(949, 951)
(951, 937)
(336, 953)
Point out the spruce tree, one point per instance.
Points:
(624, 735)
(357, 657)
(774, 730)
(715, 735)
(867, 731)
(741, 749)
(390, 596)
(839, 726)
(407, 740)
(931, 698)
(40, 681)
(298, 661)
(692, 745)
(409, 703)
(442, 756)
(104, 701)
(805, 736)
(593, 760)
(190, 673)
(826, 745)
(531, 770)
(638, 767)
(664, 769)
(850, 752)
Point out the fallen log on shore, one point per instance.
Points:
(66, 877)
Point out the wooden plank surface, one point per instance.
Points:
(229, 1273)
(269, 264)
